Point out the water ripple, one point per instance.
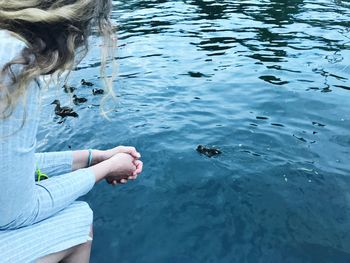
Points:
(267, 82)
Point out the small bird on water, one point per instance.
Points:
(97, 91)
(64, 111)
(77, 100)
(68, 89)
(210, 152)
(86, 83)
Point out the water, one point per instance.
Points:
(267, 82)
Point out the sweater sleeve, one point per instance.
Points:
(47, 198)
(56, 193)
(54, 163)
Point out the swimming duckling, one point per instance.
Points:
(68, 89)
(77, 100)
(86, 83)
(210, 152)
(97, 91)
(63, 111)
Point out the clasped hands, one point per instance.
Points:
(122, 162)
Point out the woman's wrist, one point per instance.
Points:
(101, 170)
(98, 156)
(102, 155)
(86, 158)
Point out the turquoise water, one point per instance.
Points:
(267, 82)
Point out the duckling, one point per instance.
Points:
(64, 111)
(97, 91)
(86, 83)
(68, 89)
(210, 152)
(77, 100)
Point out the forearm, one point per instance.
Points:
(81, 158)
(54, 163)
(101, 170)
(99, 166)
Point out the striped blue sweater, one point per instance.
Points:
(23, 201)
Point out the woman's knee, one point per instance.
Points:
(91, 234)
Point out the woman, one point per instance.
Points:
(40, 220)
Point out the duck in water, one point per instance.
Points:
(210, 152)
(97, 91)
(77, 100)
(64, 111)
(86, 83)
(68, 89)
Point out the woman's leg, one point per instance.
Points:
(79, 253)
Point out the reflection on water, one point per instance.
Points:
(266, 82)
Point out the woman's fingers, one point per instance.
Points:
(130, 150)
(114, 182)
(129, 169)
(139, 166)
(122, 181)
(133, 177)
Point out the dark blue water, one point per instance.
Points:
(267, 82)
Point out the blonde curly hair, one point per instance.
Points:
(55, 32)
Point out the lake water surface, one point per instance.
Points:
(265, 81)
